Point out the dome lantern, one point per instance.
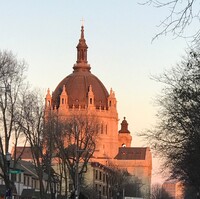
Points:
(82, 63)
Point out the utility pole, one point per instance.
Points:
(8, 191)
(77, 164)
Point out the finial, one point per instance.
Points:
(90, 87)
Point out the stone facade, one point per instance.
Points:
(81, 92)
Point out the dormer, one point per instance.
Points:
(48, 99)
(124, 136)
(63, 99)
(90, 97)
(112, 102)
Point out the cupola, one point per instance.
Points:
(124, 136)
(48, 99)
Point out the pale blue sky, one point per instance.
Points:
(45, 33)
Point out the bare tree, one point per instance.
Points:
(176, 137)
(157, 192)
(21, 117)
(118, 179)
(182, 14)
(11, 84)
(32, 124)
(123, 184)
(75, 138)
(39, 137)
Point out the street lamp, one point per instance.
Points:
(8, 191)
(8, 159)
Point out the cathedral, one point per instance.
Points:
(81, 91)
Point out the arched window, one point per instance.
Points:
(101, 128)
(123, 145)
(97, 128)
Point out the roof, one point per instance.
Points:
(131, 153)
(124, 127)
(23, 152)
(99, 165)
(78, 83)
(27, 168)
(77, 87)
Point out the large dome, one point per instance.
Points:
(77, 84)
(77, 87)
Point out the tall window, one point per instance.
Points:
(104, 191)
(96, 174)
(96, 187)
(24, 180)
(100, 175)
(101, 128)
(104, 177)
(97, 128)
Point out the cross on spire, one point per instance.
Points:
(82, 22)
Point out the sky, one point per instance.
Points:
(121, 52)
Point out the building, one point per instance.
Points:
(82, 92)
(25, 179)
(174, 188)
(23, 153)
